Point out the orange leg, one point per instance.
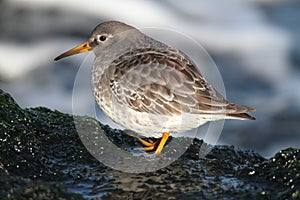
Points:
(162, 143)
(157, 146)
(146, 148)
(146, 143)
(149, 146)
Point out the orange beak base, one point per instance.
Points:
(85, 47)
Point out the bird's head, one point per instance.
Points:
(104, 35)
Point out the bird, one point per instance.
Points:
(149, 87)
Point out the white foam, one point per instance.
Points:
(19, 59)
(232, 26)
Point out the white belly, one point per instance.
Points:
(153, 125)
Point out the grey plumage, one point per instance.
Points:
(150, 87)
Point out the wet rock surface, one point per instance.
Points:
(42, 157)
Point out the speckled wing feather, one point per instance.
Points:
(168, 83)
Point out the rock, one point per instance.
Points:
(42, 157)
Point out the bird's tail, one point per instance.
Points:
(240, 112)
(241, 116)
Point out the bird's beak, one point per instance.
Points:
(85, 47)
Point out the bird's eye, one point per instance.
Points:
(102, 38)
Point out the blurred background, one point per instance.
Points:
(255, 44)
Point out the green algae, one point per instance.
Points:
(42, 157)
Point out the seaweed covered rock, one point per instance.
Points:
(42, 157)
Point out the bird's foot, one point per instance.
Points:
(149, 145)
(157, 146)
